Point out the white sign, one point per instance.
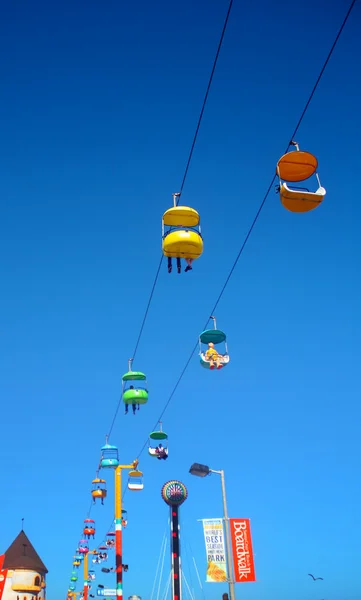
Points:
(215, 549)
(106, 592)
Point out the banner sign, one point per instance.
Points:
(215, 549)
(3, 574)
(243, 560)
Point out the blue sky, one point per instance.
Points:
(99, 105)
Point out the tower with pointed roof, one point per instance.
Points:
(26, 572)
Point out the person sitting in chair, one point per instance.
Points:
(212, 355)
(161, 452)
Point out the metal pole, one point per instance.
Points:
(118, 532)
(228, 540)
(86, 576)
(175, 554)
(118, 527)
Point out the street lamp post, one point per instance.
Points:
(202, 471)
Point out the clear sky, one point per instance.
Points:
(99, 104)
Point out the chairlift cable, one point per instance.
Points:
(205, 98)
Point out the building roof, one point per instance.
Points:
(21, 554)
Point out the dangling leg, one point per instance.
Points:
(169, 264)
(211, 364)
(178, 264)
(219, 364)
(134, 407)
(126, 409)
(189, 264)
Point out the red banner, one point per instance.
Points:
(3, 574)
(242, 550)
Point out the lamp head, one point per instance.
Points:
(199, 470)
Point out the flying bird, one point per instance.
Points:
(315, 578)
